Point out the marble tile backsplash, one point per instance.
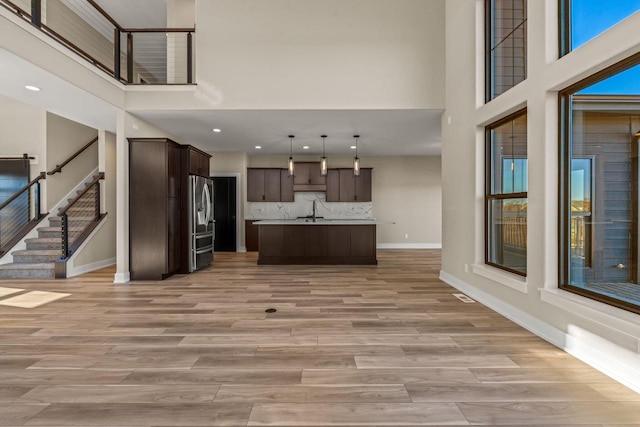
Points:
(303, 205)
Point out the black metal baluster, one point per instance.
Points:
(65, 236)
(129, 58)
(36, 13)
(97, 200)
(189, 58)
(116, 53)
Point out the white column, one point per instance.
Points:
(122, 201)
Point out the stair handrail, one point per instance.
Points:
(64, 222)
(38, 215)
(59, 167)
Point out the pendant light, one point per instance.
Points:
(323, 159)
(356, 160)
(290, 167)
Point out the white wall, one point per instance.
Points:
(100, 250)
(268, 54)
(606, 337)
(65, 137)
(23, 131)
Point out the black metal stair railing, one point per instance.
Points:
(160, 56)
(80, 217)
(20, 213)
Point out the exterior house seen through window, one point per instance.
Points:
(600, 171)
(506, 194)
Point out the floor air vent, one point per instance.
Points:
(464, 298)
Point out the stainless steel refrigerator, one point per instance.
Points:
(201, 222)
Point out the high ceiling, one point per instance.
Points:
(383, 132)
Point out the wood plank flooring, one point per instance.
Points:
(348, 345)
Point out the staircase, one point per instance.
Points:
(38, 260)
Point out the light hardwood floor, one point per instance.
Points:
(370, 345)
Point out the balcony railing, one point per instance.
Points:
(131, 55)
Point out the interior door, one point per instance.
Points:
(14, 175)
(224, 210)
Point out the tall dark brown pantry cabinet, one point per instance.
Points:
(156, 208)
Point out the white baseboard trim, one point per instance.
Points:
(409, 246)
(596, 357)
(242, 249)
(77, 271)
(120, 278)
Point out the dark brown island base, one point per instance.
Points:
(323, 242)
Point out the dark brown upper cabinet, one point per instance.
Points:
(333, 185)
(198, 162)
(342, 186)
(307, 177)
(286, 186)
(263, 185)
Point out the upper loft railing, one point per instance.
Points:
(161, 56)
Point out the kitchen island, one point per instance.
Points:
(325, 241)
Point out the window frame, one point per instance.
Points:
(489, 196)
(565, 145)
(488, 54)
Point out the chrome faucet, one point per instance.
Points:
(314, 211)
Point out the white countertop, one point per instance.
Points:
(305, 221)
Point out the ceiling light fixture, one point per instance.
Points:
(258, 147)
(323, 159)
(33, 88)
(356, 160)
(353, 147)
(216, 130)
(291, 166)
(305, 147)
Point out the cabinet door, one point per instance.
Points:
(333, 185)
(363, 186)
(272, 185)
(314, 174)
(315, 240)
(255, 185)
(286, 186)
(301, 174)
(174, 176)
(174, 247)
(204, 165)
(251, 235)
(347, 186)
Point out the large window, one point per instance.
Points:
(600, 173)
(506, 45)
(506, 194)
(582, 20)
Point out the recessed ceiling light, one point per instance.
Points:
(33, 88)
(353, 147)
(258, 147)
(306, 147)
(216, 130)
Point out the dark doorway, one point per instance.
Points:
(224, 213)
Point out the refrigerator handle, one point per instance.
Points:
(207, 197)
